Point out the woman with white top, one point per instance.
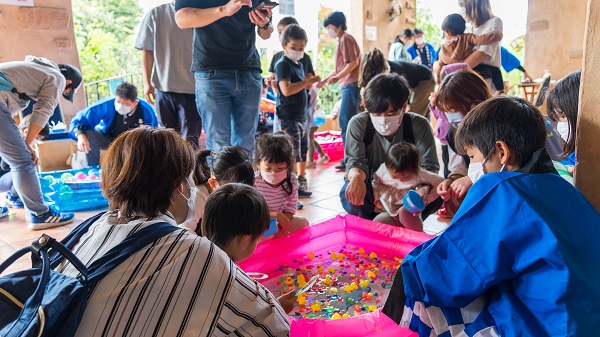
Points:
(181, 284)
(479, 14)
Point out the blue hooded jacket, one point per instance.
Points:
(100, 115)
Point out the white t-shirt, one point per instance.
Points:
(493, 25)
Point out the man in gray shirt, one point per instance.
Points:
(166, 61)
(40, 80)
(370, 134)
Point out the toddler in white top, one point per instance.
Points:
(400, 173)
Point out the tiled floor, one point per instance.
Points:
(324, 182)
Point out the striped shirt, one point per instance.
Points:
(277, 198)
(181, 285)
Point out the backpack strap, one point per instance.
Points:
(71, 239)
(369, 132)
(131, 245)
(407, 131)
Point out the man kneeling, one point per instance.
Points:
(96, 126)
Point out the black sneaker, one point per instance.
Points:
(303, 187)
(304, 194)
(341, 166)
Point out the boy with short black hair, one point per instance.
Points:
(458, 46)
(521, 256)
(292, 97)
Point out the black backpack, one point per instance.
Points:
(42, 302)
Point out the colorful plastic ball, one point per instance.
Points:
(66, 192)
(92, 177)
(66, 176)
(80, 176)
(48, 177)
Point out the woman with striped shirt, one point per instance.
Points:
(182, 284)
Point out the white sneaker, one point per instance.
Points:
(3, 211)
(323, 159)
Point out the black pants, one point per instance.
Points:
(179, 112)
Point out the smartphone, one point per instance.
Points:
(265, 5)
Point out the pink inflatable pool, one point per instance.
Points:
(333, 235)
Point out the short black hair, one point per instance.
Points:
(403, 157)
(509, 119)
(455, 24)
(338, 19)
(293, 32)
(127, 91)
(418, 31)
(233, 210)
(564, 99)
(386, 90)
(407, 32)
(276, 148)
(230, 165)
(288, 20)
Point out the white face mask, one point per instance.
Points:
(454, 118)
(331, 33)
(463, 12)
(191, 201)
(386, 125)
(420, 41)
(274, 178)
(122, 109)
(294, 55)
(476, 170)
(564, 129)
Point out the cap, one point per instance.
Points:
(73, 74)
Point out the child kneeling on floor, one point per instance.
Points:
(226, 223)
(275, 180)
(400, 173)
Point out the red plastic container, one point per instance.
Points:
(331, 143)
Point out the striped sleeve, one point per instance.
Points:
(251, 310)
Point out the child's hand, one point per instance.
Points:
(444, 190)
(423, 191)
(312, 80)
(378, 204)
(460, 187)
(288, 301)
(283, 222)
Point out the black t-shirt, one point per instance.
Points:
(306, 63)
(122, 123)
(290, 108)
(228, 43)
(414, 73)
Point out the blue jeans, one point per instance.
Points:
(228, 101)
(6, 184)
(14, 151)
(349, 108)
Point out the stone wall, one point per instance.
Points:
(555, 33)
(375, 13)
(44, 30)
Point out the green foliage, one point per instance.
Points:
(432, 32)
(104, 30)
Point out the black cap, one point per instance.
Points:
(455, 24)
(73, 74)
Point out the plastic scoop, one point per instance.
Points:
(308, 285)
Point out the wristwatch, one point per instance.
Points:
(268, 24)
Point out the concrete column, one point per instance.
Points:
(43, 30)
(587, 178)
(377, 13)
